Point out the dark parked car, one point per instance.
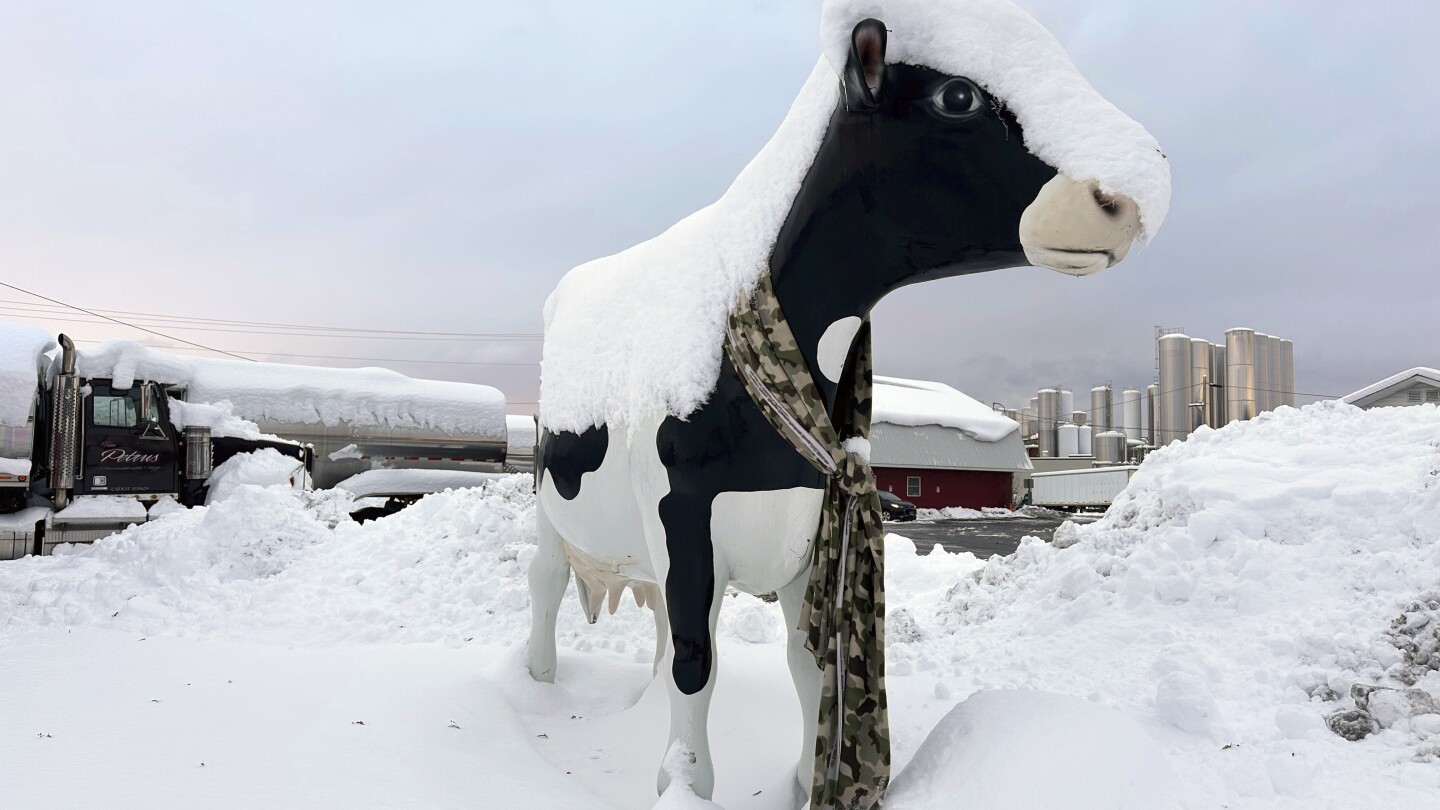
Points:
(894, 508)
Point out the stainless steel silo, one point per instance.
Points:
(1262, 372)
(1068, 440)
(1048, 421)
(1152, 414)
(1215, 416)
(1176, 390)
(1287, 371)
(1111, 447)
(1130, 407)
(1240, 401)
(1067, 403)
(1087, 446)
(1200, 375)
(1277, 376)
(1027, 422)
(1101, 408)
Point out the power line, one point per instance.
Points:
(123, 323)
(186, 319)
(347, 357)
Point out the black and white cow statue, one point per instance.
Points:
(936, 138)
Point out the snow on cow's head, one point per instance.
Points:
(989, 59)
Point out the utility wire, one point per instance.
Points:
(31, 307)
(345, 357)
(123, 323)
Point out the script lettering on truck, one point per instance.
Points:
(122, 456)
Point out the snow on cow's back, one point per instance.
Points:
(635, 337)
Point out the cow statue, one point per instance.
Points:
(935, 138)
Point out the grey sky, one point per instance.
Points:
(440, 166)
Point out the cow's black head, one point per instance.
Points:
(924, 175)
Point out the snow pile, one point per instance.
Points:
(264, 467)
(634, 337)
(308, 395)
(1249, 584)
(22, 357)
(962, 513)
(916, 402)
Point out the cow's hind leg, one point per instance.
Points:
(549, 574)
(805, 673)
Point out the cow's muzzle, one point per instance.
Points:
(1077, 229)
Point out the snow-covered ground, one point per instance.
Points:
(1184, 651)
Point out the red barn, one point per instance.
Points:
(936, 447)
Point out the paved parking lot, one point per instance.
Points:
(983, 538)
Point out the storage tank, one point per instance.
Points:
(1087, 447)
(1287, 371)
(1049, 411)
(1068, 440)
(1199, 381)
(1101, 409)
(1027, 422)
(1130, 414)
(1240, 374)
(1277, 375)
(1079, 418)
(1263, 382)
(1176, 390)
(1067, 403)
(1111, 447)
(1215, 416)
(1152, 413)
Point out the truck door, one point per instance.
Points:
(126, 450)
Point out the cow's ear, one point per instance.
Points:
(865, 70)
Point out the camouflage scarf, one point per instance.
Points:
(844, 609)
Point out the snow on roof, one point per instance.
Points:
(372, 483)
(1433, 375)
(916, 402)
(307, 395)
(634, 337)
(22, 355)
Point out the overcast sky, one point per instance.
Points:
(438, 166)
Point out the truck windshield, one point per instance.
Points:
(114, 412)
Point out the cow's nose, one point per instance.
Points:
(1077, 228)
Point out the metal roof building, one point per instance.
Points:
(937, 448)
(1416, 386)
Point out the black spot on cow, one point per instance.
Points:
(565, 457)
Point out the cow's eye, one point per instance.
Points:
(959, 99)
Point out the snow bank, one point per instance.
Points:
(961, 513)
(22, 356)
(634, 337)
(1247, 586)
(308, 395)
(1081, 756)
(264, 467)
(917, 402)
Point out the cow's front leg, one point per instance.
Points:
(694, 578)
(806, 675)
(549, 574)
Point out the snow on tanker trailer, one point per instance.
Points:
(1096, 487)
(113, 430)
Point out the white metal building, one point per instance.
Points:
(1416, 386)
